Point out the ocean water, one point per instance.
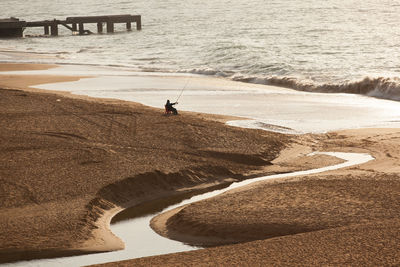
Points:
(329, 46)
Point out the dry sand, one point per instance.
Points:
(24, 67)
(67, 165)
(22, 82)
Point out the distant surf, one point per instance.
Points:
(379, 87)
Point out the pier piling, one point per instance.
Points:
(54, 28)
(110, 27)
(81, 29)
(139, 23)
(100, 27)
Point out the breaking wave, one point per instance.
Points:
(379, 87)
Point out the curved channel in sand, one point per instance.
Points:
(351, 159)
(142, 241)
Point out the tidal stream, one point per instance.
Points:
(141, 241)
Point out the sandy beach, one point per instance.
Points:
(69, 163)
(285, 151)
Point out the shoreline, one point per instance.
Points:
(378, 86)
(27, 82)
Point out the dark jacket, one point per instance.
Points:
(169, 105)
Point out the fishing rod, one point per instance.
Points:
(187, 81)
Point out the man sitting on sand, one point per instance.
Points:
(169, 107)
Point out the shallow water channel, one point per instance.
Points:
(142, 241)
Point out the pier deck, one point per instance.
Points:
(14, 27)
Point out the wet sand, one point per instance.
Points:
(69, 163)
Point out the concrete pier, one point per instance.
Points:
(14, 27)
(110, 21)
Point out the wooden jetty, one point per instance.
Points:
(13, 27)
